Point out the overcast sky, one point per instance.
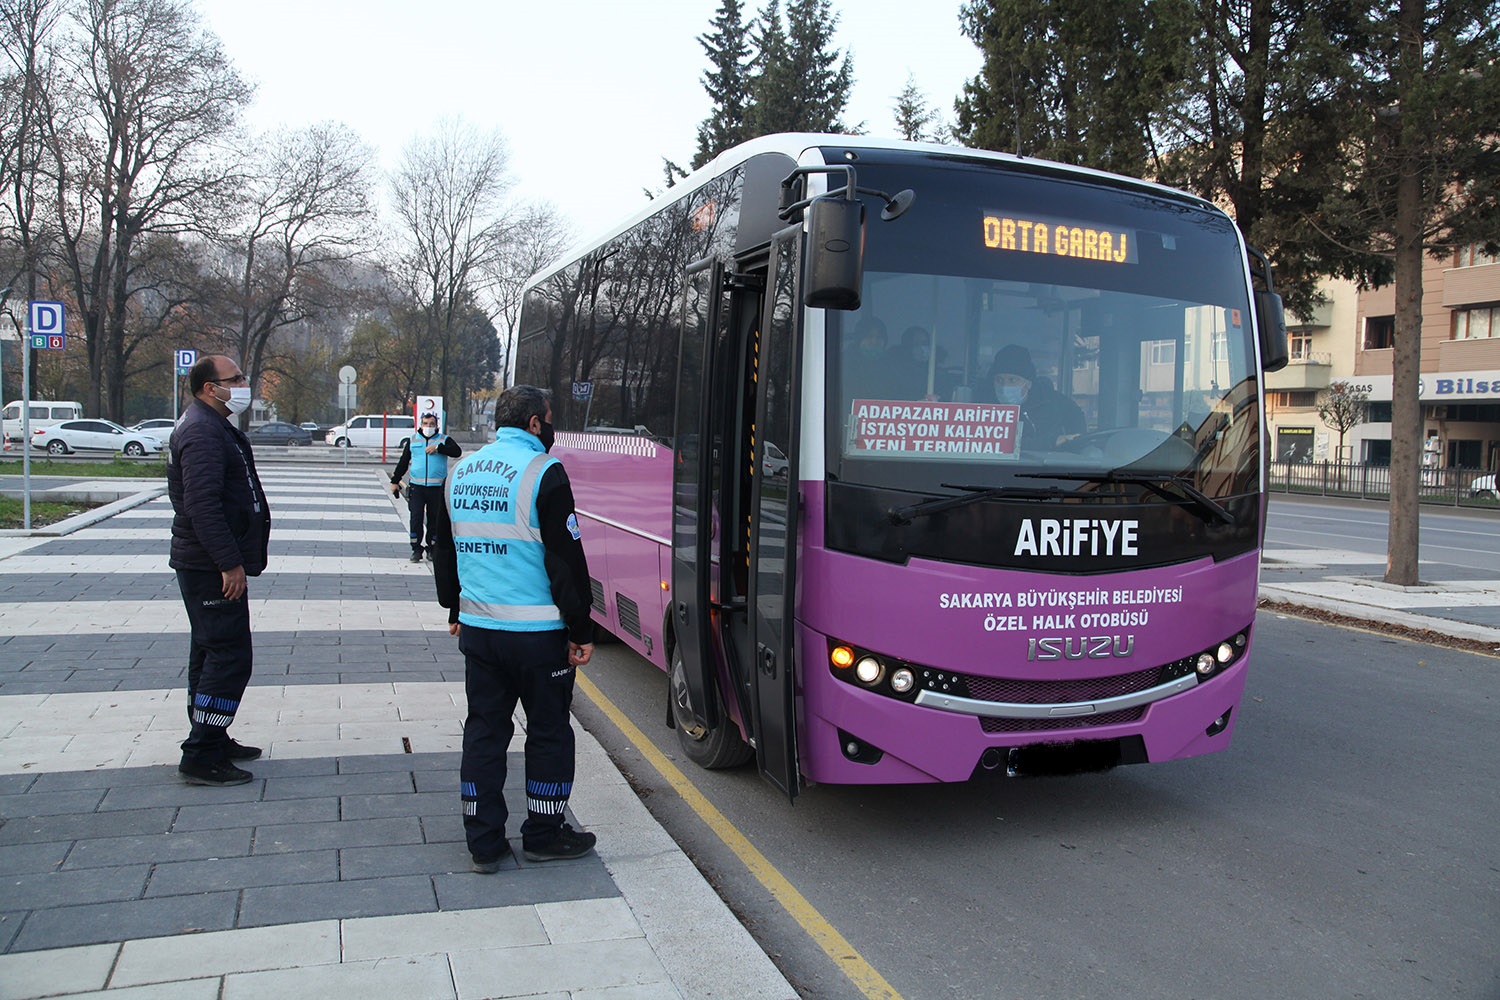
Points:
(589, 94)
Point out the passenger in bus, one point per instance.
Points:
(906, 364)
(864, 359)
(1048, 418)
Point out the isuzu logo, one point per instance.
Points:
(1094, 647)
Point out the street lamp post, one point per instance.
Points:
(25, 409)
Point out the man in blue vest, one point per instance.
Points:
(511, 570)
(424, 462)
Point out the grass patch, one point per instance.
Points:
(117, 468)
(42, 514)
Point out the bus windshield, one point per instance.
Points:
(1098, 336)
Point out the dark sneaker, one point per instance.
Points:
(568, 843)
(489, 865)
(416, 557)
(238, 751)
(220, 772)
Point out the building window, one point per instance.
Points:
(1299, 346)
(1380, 332)
(1476, 324)
(1473, 255)
(1163, 352)
(1294, 399)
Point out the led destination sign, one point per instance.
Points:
(1059, 238)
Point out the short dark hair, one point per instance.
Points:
(206, 370)
(517, 405)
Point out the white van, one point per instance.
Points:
(371, 430)
(44, 413)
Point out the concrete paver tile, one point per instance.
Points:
(418, 978)
(151, 960)
(327, 900)
(46, 973)
(447, 931)
(581, 920)
(523, 971)
(101, 922)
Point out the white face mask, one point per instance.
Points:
(239, 399)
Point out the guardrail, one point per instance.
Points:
(1455, 486)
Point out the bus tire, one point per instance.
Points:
(712, 749)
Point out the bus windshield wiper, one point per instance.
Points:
(1194, 499)
(901, 516)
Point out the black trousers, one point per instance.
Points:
(500, 669)
(219, 663)
(418, 500)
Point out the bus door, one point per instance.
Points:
(693, 515)
(773, 520)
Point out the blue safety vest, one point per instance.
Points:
(425, 469)
(497, 536)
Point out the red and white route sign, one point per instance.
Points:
(992, 430)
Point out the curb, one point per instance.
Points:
(1374, 613)
(69, 525)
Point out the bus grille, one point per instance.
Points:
(597, 589)
(630, 614)
(1044, 725)
(1058, 692)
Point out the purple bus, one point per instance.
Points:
(913, 463)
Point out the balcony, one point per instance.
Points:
(1320, 318)
(1311, 371)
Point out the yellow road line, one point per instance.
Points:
(853, 965)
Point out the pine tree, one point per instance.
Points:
(802, 84)
(727, 83)
(912, 114)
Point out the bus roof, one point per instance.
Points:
(795, 144)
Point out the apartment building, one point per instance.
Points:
(1349, 338)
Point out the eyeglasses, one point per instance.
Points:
(239, 379)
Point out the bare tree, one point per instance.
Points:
(134, 146)
(303, 210)
(1342, 407)
(538, 238)
(450, 199)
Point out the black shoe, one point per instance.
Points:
(220, 772)
(486, 864)
(429, 555)
(238, 751)
(566, 844)
(416, 557)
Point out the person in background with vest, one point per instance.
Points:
(511, 570)
(221, 526)
(424, 462)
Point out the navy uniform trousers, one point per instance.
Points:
(419, 500)
(500, 669)
(219, 662)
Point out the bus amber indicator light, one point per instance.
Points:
(841, 657)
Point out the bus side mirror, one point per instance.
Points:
(1270, 322)
(835, 253)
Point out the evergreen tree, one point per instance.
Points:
(1423, 157)
(1070, 80)
(727, 83)
(802, 84)
(913, 116)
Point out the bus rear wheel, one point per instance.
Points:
(712, 749)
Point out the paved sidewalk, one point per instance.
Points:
(340, 871)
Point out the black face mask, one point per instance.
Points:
(546, 436)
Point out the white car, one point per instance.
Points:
(373, 430)
(157, 427)
(94, 435)
(1484, 486)
(775, 463)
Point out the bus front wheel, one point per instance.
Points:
(712, 749)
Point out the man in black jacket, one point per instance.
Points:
(220, 531)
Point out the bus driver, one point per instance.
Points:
(1048, 418)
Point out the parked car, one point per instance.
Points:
(1484, 486)
(775, 463)
(311, 426)
(160, 427)
(94, 435)
(277, 432)
(367, 431)
(44, 413)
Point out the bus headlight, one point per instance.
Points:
(1206, 663)
(868, 670)
(1224, 653)
(903, 680)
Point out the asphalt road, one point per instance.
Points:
(1456, 543)
(1344, 846)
